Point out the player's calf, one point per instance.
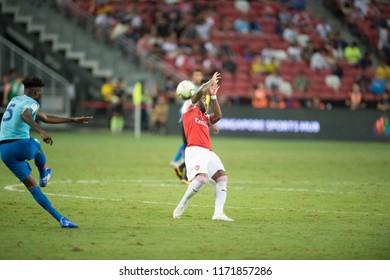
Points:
(192, 189)
(220, 199)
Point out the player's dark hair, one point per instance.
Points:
(33, 82)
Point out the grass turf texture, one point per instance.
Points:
(290, 199)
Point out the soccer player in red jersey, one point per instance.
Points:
(202, 163)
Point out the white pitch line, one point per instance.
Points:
(241, 184)
(14, 188)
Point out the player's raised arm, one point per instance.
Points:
(55, 120)
(217, 113)
(204, 89)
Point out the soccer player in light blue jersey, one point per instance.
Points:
(17, 147)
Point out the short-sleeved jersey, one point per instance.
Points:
(196, 126)
(12, 124)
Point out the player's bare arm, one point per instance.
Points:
(56, 120)
(213, 127)
(204, 89)
(217, 115)
(27, 117)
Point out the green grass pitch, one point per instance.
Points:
(290, 199)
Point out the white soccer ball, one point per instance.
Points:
(185, 90)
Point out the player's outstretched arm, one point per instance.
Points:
(55, 120)
(204, 89)
(27, 117)
(217, 114)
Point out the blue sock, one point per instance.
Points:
(40, 162)
(179, 153)
(42, 200)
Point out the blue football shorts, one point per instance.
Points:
(15, 155)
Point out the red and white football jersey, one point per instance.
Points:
(196, 126)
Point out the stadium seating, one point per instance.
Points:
(265, 14)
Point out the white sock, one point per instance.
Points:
(220, 196)
(192, 189)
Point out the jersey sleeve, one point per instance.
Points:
(187, 106)
(33, 107)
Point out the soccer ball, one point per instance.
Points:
(185, 90)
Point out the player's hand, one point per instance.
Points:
(216, 77)
(46, 137)
(82, 119)
(214, 89)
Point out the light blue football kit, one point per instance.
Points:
(12, 125)
(16, 145)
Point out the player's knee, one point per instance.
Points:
(202, 178)
(222, 178)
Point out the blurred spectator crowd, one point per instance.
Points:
(273, 54)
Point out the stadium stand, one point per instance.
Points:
(367, 19)
(195, 34)
(226, 36)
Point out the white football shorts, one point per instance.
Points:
(201, 160)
